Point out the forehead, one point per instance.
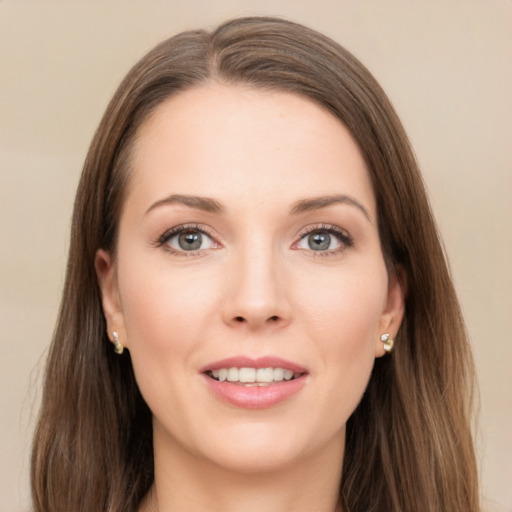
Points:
(219, 140)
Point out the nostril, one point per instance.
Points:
(274, 319)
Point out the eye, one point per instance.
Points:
(187, 239)
(319, 241)
(325, 239)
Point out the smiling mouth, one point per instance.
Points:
(248, 377)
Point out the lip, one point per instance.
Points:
(255, 397)
(249, 362)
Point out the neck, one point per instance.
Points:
(187, 483)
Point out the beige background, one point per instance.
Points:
(447, 67)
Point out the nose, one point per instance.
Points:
(257, 295)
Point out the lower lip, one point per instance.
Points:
(255, 397)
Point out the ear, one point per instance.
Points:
(393, 313)
(107, 280)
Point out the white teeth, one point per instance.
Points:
(247, 374)
(278, 374)
(253, 376)
(265, 375)
(232, 375)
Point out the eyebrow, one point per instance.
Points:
(200, 203)
(317, 203)
(302, 206)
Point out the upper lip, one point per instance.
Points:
(250, 362)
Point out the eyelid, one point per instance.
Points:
(343, 236)
(176, 230)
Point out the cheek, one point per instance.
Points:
(342, 315)
(163, 309)
(156, 296)
(346, 305)
(164, 315)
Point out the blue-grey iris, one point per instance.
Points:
(190, 240)
(319, 241)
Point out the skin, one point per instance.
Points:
(254, 288)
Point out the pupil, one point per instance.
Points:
(190, 241)
(319, 241)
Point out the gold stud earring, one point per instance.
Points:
(118, 348)
(388, 342)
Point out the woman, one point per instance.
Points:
(257, 310)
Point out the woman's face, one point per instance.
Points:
(248, 239)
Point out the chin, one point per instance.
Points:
(252, 460)
(264, 448)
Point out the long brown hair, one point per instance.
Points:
(409, 444)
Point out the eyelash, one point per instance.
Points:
(177, 230)
(341, 235)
